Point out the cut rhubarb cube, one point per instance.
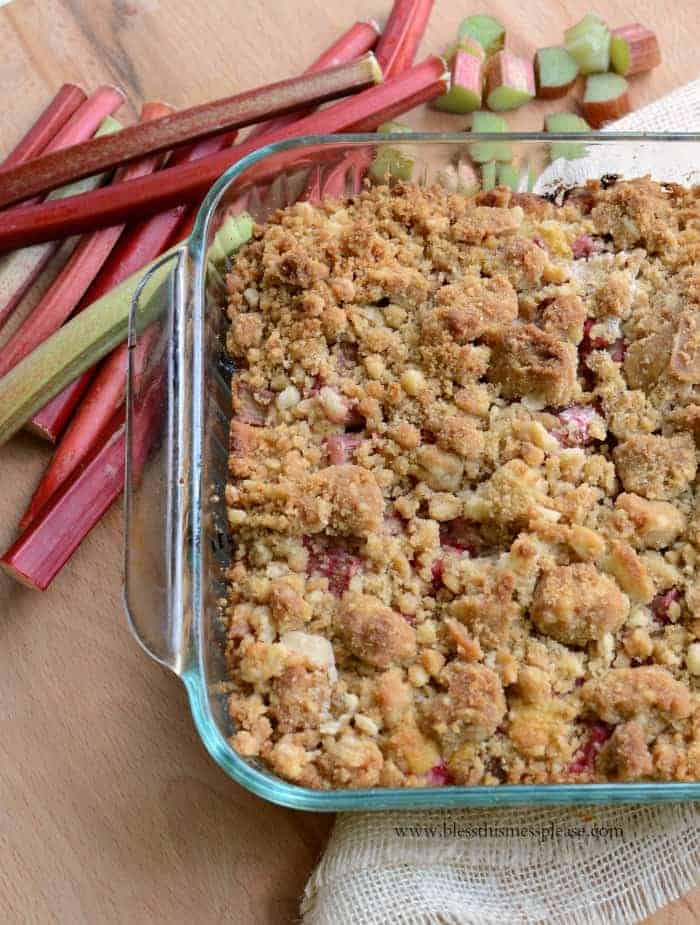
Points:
(605, 98)
(588, 43)
(438, 776)
(510, 81)
(555, 72)
(585, 760)
(576, 420)
(483, 151)
(487, 31)
(661, 604)
(584, 246)
(341, 447)
(464, 94)
(248, 406)
(330, 558)
(459, 535)
(634, 49)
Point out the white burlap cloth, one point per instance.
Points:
(611, 865)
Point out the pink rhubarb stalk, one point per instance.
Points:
(66, 291)
(43, 549)
(188, 125)
(43, 131)
(189, 182)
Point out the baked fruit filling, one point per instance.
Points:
(463, 488)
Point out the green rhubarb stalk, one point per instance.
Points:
(95, 332)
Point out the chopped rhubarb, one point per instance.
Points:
(487, 31)
(59, 528)
(358, 39)
(662, 603)
(187, 182)
(188, 125)
(576, 422)
(510, 81)
(565, 123)
(460, 178)
(341, 447)
(585, 760)
(583, 247)
(330, 558)
(605, 98)
(634, 49)
(53, 118)
(246, 405)
(459, 534)
(464, 94)
(555, 72)
(483, 151)
(588, 43)
(438, 776)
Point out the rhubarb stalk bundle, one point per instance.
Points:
(43, 131)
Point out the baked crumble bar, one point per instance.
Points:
(463, 488)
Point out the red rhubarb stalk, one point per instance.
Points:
(64, 294)
(52, 170)
(138, 246)
(53, 118)
(189, 182)
(44, 548)
(23, 268)
(402, 34)
(359, 39)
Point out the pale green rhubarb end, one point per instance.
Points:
(508, 175)
(588, 42)
(482, 151)
(510, 81)
(487, 31)
(563, 123)
(634, 49)
(468, 44)
(488, 176)
(466, 81)
(605, 99)
(555, 72)
(95, 332)
(391, 163)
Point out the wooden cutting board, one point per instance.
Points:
(110, 810)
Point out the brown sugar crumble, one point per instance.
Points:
(463, 488)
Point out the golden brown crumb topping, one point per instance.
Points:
(462, 488)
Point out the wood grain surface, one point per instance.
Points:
(110, 810)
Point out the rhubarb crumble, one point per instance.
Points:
(463, 488)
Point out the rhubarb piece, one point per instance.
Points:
(508, 175)
(63, 296)
(468, 44)
(389, 162)
(460, 178)
(481, 151)
(328, 556)
(341, 447)
(560, 123)
(555, 72)
(663, 602)
(634, 49)
(53, 118)
(358, 39)
(488, 176)
(234, 231)
(597, 737)
(576, 421)
(188, 182)
(18, 270)
(402, 34)
(588, 43)
(464, 94)
(605, 98)
(487, 31)
(510, 82)
(52, 170)
(45, 547)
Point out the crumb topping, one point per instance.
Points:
(463, 462)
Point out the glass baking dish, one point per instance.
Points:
(177, 538)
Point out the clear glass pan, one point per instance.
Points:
(177, 539)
